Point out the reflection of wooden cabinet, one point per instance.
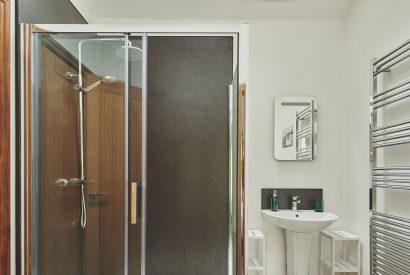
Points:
(4, 137)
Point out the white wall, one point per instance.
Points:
(294, 58)
(372, 28)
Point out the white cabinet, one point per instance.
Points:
(256, 252)
(339, 252)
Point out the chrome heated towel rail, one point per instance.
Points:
(389, 234)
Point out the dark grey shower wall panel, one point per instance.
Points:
(187, 155)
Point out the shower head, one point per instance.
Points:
(108, 79)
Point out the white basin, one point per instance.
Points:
(300, 221)
(299, 227)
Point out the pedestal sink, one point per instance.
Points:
(299, 227)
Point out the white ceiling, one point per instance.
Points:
(111, 10)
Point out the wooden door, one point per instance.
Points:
(4, 137)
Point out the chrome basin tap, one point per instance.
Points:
(295, 202)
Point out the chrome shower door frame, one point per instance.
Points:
(240, 34)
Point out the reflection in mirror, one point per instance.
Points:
(295, 128)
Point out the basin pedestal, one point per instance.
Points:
(298, 252)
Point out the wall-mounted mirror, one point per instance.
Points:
(295, 128)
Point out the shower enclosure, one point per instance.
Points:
(133, 150)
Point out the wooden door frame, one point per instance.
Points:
(5, 242)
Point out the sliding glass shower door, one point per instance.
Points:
(83, 96)
(132, 140)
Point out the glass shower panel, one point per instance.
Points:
(79, 154)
